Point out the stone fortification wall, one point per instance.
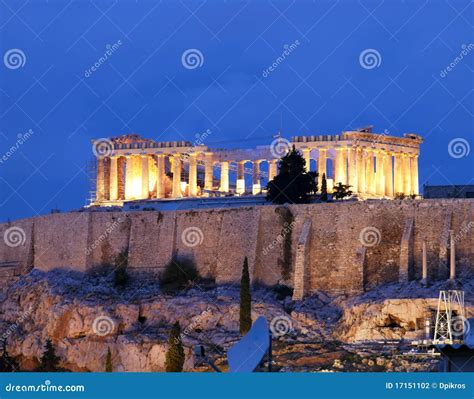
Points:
(351, 246)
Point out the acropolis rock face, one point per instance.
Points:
(345, 247)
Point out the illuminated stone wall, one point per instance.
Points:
(351, 246)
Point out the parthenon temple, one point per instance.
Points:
(131, 168)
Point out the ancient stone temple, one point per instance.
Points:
(133, 168)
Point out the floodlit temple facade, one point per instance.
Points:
(133, 168)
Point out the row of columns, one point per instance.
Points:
(370, 171)
(145, 174)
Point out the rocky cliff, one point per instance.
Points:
(84, 315)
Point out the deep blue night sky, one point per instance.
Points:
(320, 88)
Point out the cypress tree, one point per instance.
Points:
(293, 184)
(108, 361)
(245, 300)
(49, 361)
(174, 360)
(324, 188)
(7, 364)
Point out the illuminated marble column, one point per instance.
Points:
(256, 188)
(113, 178)
(369, 172)
(398, 174)
(272, 169)
(121, 162)
(152, 175)
(388, 174)
(145, 179)
(208, 173)
(340, 175)
(128, 177)
(160, 176)
(322, 160)
(240, 184)
(361, 188)
(100, 179)
(352, 168)
(379, 176)
(406, 174)
(307, 158)
(414, 174)
(224, 177)
(192, 175)
(176, 192)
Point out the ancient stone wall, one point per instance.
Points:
(352, 246)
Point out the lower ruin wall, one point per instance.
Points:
(351, 246)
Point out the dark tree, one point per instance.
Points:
(341, 191)
(293, 184)
(245, 300)
(49, 361)
(324, 188)
(121, 277)
(174, 360)
(7, 363)
(108, 361)
(179, 273)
